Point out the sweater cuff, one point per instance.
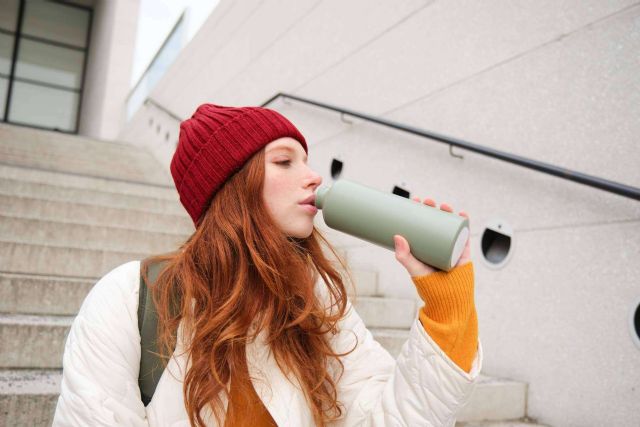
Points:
(449, 315)
(447, 295)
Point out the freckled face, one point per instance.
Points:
(288, 181)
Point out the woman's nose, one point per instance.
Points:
(315, 180)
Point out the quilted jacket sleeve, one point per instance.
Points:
(101, 357)
(422, 387)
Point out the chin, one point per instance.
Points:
(301, 234)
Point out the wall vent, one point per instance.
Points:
(336, 168)
(497, 243)
(634, 322)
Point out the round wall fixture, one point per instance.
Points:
(634, 322)
(497, 243)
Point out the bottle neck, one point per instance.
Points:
(321, 193)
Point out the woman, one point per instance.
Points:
(255, 317)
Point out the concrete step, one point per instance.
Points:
(10, 187)
(28, 398)
(81, 236)
(35, 294)
(32, 341)
(525, 422)
(329, 255)
(37, 341)
(496, 399)
(365, 281)
(69, 180)
(38, 259)
(378, 312)
(88, 214)
(31, 294)
(391, 339)
(55, 151)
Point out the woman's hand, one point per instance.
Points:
(408, 261)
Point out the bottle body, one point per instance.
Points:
(436, 237)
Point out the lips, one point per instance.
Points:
(311, 200)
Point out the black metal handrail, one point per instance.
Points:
(582, 178)
(164, 109)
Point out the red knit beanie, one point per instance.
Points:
(215, 143)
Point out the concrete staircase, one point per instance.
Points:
(71, 209)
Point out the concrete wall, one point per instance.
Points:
(109, 67)
(556, 81)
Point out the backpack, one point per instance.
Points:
(151, 366)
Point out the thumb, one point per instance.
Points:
(407, 260)
(401, 246)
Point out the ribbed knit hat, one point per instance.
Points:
(215, 143)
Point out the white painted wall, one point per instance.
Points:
(109, 67)
(556, 81)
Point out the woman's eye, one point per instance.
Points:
(284, 162)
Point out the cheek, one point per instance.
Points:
(277, 191)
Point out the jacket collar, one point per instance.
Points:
(281, 394)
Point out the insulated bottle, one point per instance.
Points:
(437, 238)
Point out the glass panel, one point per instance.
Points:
(50, 64)
(9, 15)
(4, 84)
(43, 106)
(54, 21)
(6, 53)
(159, 65)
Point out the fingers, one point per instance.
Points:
(444, 206)
(401, 246)
(430, 202)
(427, 201)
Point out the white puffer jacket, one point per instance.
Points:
(423, 387)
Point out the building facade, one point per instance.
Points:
(65, 65)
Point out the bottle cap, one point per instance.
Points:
(459, 246)
(321, 192)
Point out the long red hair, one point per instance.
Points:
(237, 268)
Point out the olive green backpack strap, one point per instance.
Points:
(151, 366)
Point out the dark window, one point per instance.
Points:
(43, 56)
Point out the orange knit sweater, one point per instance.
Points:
(449, 317)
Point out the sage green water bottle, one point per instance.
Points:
(436, 237)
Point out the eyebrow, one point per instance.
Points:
(285, 147)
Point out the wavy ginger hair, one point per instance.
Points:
(237, 267)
